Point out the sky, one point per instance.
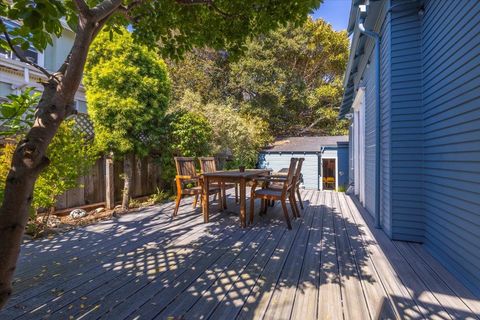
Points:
(335, 12)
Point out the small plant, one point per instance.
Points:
(160, 196)
(342, 188)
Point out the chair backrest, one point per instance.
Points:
(290, 175)
(298, 171)
(186, 166)
(207, 164)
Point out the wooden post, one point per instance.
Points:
(109, 183)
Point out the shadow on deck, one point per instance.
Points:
(145, 265)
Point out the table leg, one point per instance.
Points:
(224, 195)
(243, 203)
(205, 198)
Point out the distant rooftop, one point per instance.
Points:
(305, 144)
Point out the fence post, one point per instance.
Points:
(109, 183)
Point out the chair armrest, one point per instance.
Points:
(185, 177)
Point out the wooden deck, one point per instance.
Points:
(332, 265)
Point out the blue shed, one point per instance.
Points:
(412, 89)
(326, 164)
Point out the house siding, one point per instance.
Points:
(370, 163)
(406, 136)
(278, 161)
(451, 127)
(385, 138)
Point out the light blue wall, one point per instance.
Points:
(277, 161)
(311, 165)
(451, 120)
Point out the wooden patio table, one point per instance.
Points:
(235, 176)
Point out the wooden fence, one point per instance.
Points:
(146, 178)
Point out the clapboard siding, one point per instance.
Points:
(370, 163)
(406, 124)
(386, 145)
(451, 117)
(278, 161)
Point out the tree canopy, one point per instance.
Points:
(128, 91)
(289, 77)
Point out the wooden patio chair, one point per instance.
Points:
(282, 194)
(208, 164)
(187, 174)
(277, 184)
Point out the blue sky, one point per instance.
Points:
(334, 12)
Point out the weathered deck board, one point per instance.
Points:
(333, 265)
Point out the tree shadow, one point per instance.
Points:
(149, 265)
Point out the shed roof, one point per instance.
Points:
(305, 144)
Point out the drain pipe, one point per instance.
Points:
(376, 37)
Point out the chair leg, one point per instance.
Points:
(293, 206)
(285, 213)
(294, 198)
(299, 198)
(177, 204)
(195, 200)
(265, 207)
(252, 207)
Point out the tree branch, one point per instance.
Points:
(21, 57)
(82, 8)
(105, 9)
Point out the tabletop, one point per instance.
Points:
(236, 173)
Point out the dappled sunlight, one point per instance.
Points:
(148, 265)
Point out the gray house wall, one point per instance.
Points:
(451, 120)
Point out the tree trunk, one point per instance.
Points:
(127, 181)
(30, 157)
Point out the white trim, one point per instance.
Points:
(359, 144)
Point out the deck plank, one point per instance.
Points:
(378, 302)
(405, 301)
(354, 302)
(445, 296)
(329, 295)
(257, 301)
(332, 265)
(446, 279)
(281, 303)
(84, 270)
(306, 303)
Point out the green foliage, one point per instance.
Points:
(71, 157)
(159, 196)
(69, 154)
(291, 77)
(18, 113)
(127, 92)
(173, 27)
(240, 136)
(191, 134)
